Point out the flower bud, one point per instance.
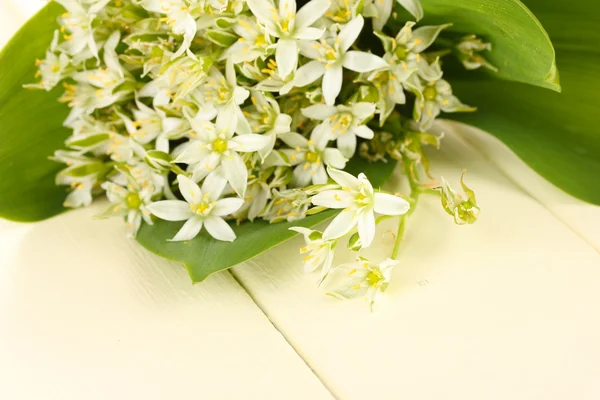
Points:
(159, 160)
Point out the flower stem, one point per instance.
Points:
(399, 236)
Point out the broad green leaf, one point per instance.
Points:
(521, 48)
(30, 126)
(204, 255)
(558, 135)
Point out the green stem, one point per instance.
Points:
(175, 168)
(399, 236)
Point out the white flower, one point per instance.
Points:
(180, 78)
(285, 24)
(77, 26)
(320, 251)
(51, 70)
(223, 91)
(179, 17)
(309, 157)
(286, 205)
(153, 125)
(254, 41)
(128, 202)
(359, 202)
(343, 123)
(266, 117)
(366, 279)
(330, 56)
(342, 11)
(216, 145)
(82, 175)
(274, 82)
(383, 10)
(202, 207)
(436, 97)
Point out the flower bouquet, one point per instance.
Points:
(218, 129)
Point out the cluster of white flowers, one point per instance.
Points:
(212, 110)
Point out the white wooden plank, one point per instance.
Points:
(87, 314)
(582, 217)
(503, 309)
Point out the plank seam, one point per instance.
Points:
(266, 314)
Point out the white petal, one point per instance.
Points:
(319, 176)
(236, 173)
(309, 49)
(259, 203)
(308, 73)
(214, 184)
(282, 123)
(360, 61)
(227, 120)
(205, 166)
(340, 225)
(171, 210)
(320, 136)
(227, 206)
(261, 9)
(347, 144)
(363, 131)
(301, 177)
(335, 158)
(384, 10)
(219, 229)
(189, 230)
(350, 32)
(333, 199)
(309, 33)
(243, 126)
(287, 7)
(294, 140)
(363, 110)
(230, 73)
(388, 204)
(193, 153)
(366, 227)
(319, 111)
(332, 83)
(286, 56)
(311, 12)
(342, 178)
(189, 189)
(414, 7)
(247, 143)
(240, 94)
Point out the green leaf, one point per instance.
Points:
(521, 48)
(204, 255)
(558, 135)
(30, 126)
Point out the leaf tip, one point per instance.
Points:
(552, 79)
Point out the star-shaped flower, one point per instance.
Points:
(331, 56)
(202, 207)
(359, 202)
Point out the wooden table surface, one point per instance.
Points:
(504, 309)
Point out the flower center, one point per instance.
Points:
(312, 157)
(401, 52)
(373, 278)
(201, 208)
(133, 200)
(430, 93)
(260, 40)
(219, 145)
(342, 123)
